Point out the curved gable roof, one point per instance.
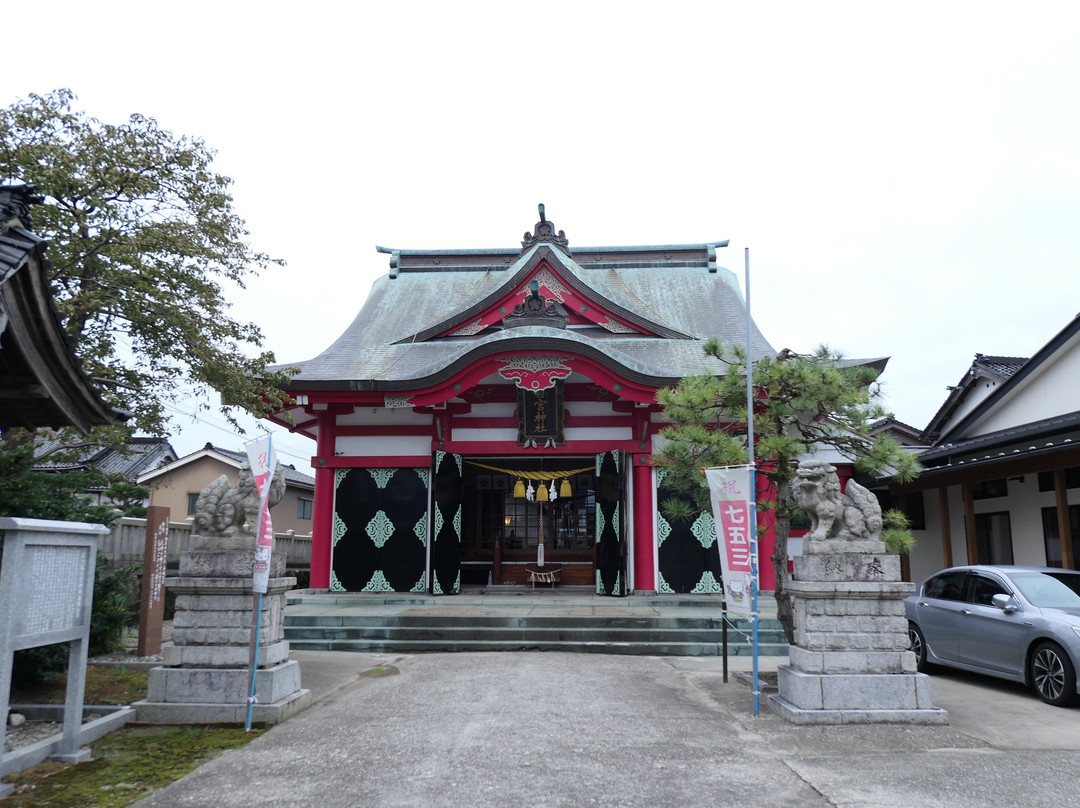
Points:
(660, 303)
(43, 382)
(628, 308)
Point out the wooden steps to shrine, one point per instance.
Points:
(659, 625)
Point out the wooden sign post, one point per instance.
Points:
(152, 600)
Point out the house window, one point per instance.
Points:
(1052, 536)
(914, 510)
(1072, 479)
(988, 489)
(993, 538)
(911, 505)
(303, 508)
(192, 501)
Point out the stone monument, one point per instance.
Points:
(849, 663)
(205, 675)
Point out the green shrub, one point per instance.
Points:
(33, 665)
(116, 606)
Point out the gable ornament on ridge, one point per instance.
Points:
(544, 233)
(535, 309)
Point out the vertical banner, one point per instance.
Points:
(733, 511)
(263, 461)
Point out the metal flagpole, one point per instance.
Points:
(753, 484)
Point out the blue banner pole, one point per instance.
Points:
(254, 661)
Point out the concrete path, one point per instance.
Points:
(556, 729)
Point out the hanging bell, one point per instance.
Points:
(542, 493)
(529, 493)
(519, 489)
(564, 489)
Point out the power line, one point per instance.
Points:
(232, 433)
(195, 416)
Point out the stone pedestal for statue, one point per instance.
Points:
(206, 675)
(849, 663)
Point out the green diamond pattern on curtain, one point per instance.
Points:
(446, 539)
(376, 512)
(688, 557)
(610, 542)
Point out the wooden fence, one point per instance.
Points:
(125, 545)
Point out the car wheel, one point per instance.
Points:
(917, 646)
(1052, 675)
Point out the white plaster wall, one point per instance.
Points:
(926, 558)
(1024, 504)
(1054, 389)
(599, 433)
(975, 397)
(470, 434)
(383, 445)
(378, 416)
(589, 407)
(496, 410)
(1025, 519)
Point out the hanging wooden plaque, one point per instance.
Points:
(541, 416)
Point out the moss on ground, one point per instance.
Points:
(127, 765)
(105, 684)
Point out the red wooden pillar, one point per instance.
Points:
(767, 538)
(322, 521)
(644, 524)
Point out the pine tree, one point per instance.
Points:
(802, 403)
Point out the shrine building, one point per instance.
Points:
(492, 409)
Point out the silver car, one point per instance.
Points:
(1017, 623)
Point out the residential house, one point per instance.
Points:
(1001, 478)
(176, 485)
(137, 457)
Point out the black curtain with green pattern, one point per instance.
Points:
(687, 552)
(446, 533)
(610, 525)
(380, 530)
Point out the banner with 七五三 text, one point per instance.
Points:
(733, 511)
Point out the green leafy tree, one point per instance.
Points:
(802, 403)
(36, 494)
(144, 244)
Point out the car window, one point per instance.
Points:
(1070, 579)
(947, 586)
(983, 589)
(1050, 591)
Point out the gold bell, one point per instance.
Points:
(564, 489)
(519, 490)
(541, 493)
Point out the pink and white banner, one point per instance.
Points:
(732, 504)
(263, 461)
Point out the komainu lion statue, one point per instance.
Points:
(225, 510)
(854, 514)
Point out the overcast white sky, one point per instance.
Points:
(906, 176)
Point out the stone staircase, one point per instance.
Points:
(556, 620)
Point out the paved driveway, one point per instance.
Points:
(555, 729)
